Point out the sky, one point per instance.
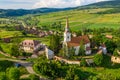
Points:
(31, 4)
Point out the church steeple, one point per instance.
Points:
(67, 34)
(67, 25)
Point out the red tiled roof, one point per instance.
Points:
(109, 36)
(75, 41)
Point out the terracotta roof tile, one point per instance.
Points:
(75, 41)
(109, 36)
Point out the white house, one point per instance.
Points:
(49, 53)
(75, 41)
(103, 48)
(30, 45)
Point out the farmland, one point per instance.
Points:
(81, 18)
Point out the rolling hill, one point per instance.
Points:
(102, 4)
(20, 12)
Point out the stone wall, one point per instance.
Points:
(66, 61)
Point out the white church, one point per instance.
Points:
(74, 42)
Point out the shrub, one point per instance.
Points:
(83, 62)
(14, 74)
(3, 76)
(98, 59)
(33, 77)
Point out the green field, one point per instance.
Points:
(82, 18)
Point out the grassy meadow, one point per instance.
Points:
(82, 18)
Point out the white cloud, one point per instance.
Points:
(62, 3)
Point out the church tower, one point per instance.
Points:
(67, 34)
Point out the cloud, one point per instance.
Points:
(28, 4)
(62, 3)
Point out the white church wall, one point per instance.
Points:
(77, 50)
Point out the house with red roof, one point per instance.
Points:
(75, 41)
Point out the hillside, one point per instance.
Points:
(21, 12)
(103, 4)
(79, 18)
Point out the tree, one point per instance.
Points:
(24, 33)
(81, 49)
(71, 52)
(118, 44)
(3, 76)
(71, 74)
(14, 74)
(98, 59)
(33, 77)
(79, 33)
(55, 43)
(62, 52)
(92, 78)
(110, 46)
(115, 53)
(1, 49)
(15, 50)
(83, 62)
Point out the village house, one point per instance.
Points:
(30, 45)
(19, 28)
(75, 41)
(109, 36)
(103, 48)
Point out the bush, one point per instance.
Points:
(5, 64)
(83, 62)
(98, 59)
(33, 77)
(71, 74)
(14, 74)
(3, 76)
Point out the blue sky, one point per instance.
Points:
(29, 4)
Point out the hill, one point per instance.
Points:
(78, 19)
(103, 4)
(21, 12)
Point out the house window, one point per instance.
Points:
(31, 43)
(25, 43)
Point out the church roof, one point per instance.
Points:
(75, 41)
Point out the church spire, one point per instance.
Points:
(67, 25)
(67, 34)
